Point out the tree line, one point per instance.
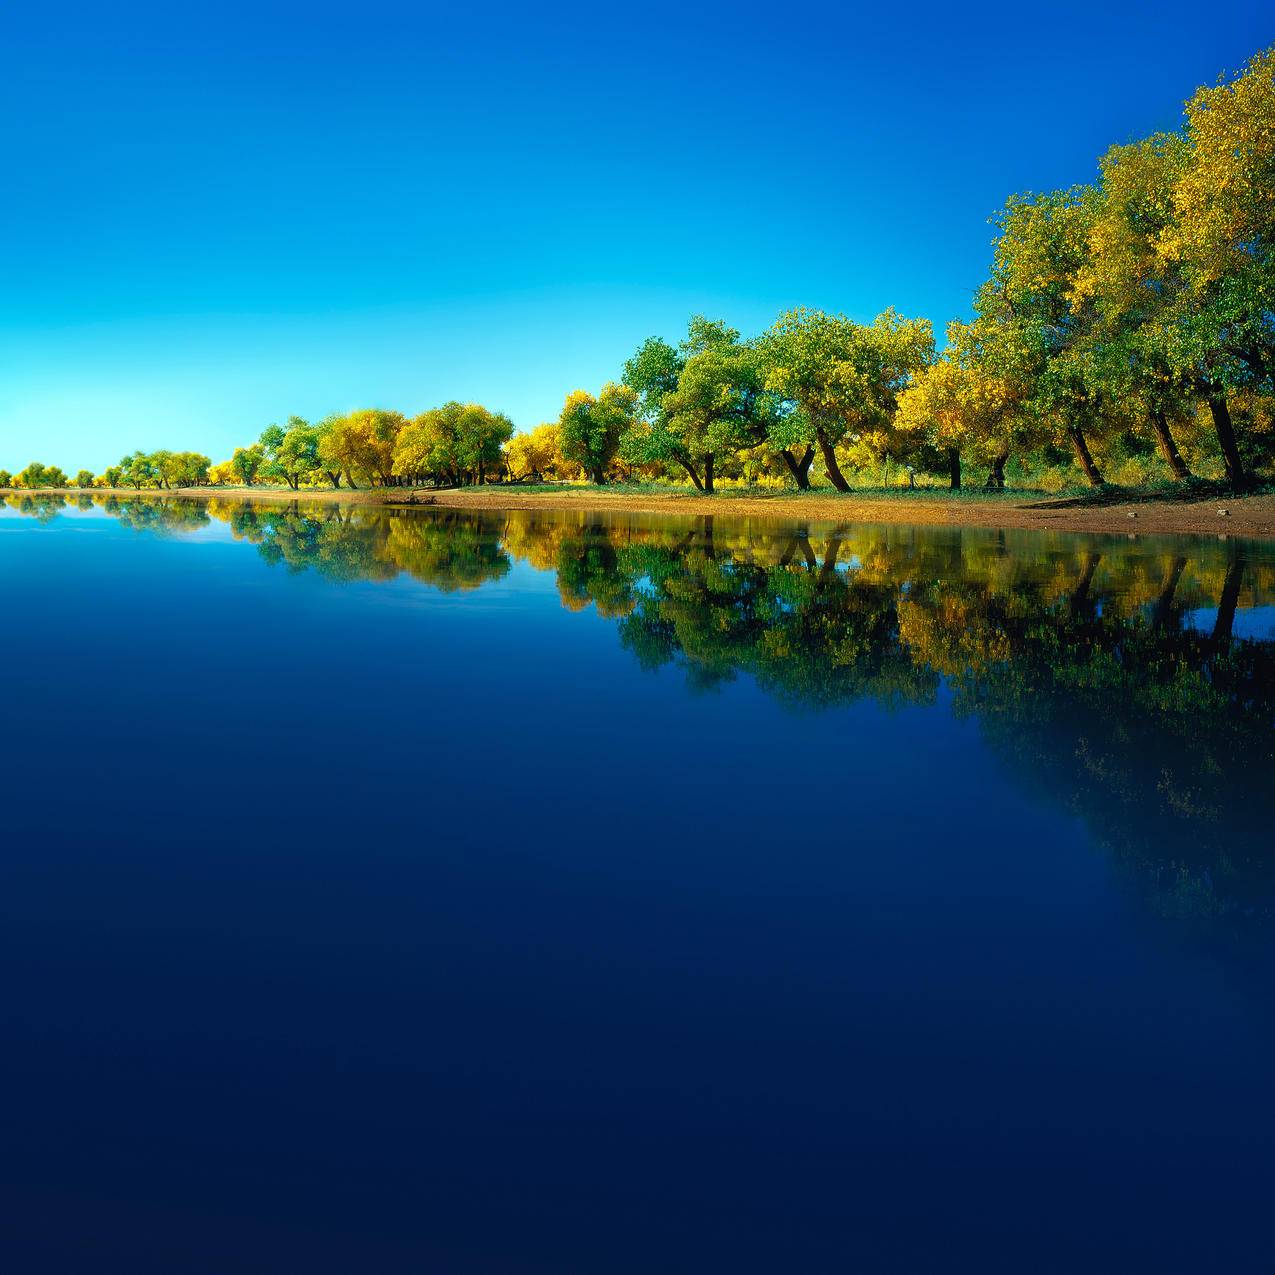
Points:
(1127, 327)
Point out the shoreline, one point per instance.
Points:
(1247, 516)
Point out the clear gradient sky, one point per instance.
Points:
(218, 215)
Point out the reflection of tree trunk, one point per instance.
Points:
(830, 465)
(1164, 603)
(1080, 594)
(706, 523)
(708, 473)
(1226, 438)
(830, 555)
(954, 468)
(996, 475)
(799, 469)
(1227, 602)
(1083, 456)
(1168, 448)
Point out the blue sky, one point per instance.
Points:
(218, 215)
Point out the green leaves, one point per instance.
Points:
(591, 429)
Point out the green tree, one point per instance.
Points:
(190, 469)
(1222, 239)
(272, 438)
(362, 444)
(843, 378)
(163, 462)
(37, 475)
(247, 461)
(963, 404)
(591, 429)
(1043, 332)
(137, 470)
(328, 443)
(1136, 292)
(705, 400)
(455, 442)
(295, 456)
(84, 478)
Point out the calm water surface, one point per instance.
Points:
(428, 892)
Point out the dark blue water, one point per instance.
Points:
(415, 891)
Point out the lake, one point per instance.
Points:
(421, 890)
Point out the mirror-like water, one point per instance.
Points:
(398, 890)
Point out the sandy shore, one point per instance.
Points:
(1244, 516)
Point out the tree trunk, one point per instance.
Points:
(954, 468)
(830, 555)
(690, 469)
(706, 526)
(1226, 439)
(598, 477)
(996, 475)
(799, 469)
(708, 473)
(830, 462)
(1083, 456)
(1169, 448)
(482, 475)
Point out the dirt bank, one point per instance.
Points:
(1244, 516)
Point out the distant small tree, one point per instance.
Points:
(362, 443)
(6, 478)
(163, 463)
(37, 475)
(138, 471)
(246, 461)
(189, 469)
(330, 439)
(536, 454)
(111, 476)
(84, 478)
(296, 457)
(457, 442)
(590, 429)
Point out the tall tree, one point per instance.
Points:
(702, 401)
(844, 378)
(1044, 330)
(1222, 238)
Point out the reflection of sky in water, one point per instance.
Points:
(1255, 623)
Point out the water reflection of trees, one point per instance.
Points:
(1082, 659)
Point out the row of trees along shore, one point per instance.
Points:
(1127, 328)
